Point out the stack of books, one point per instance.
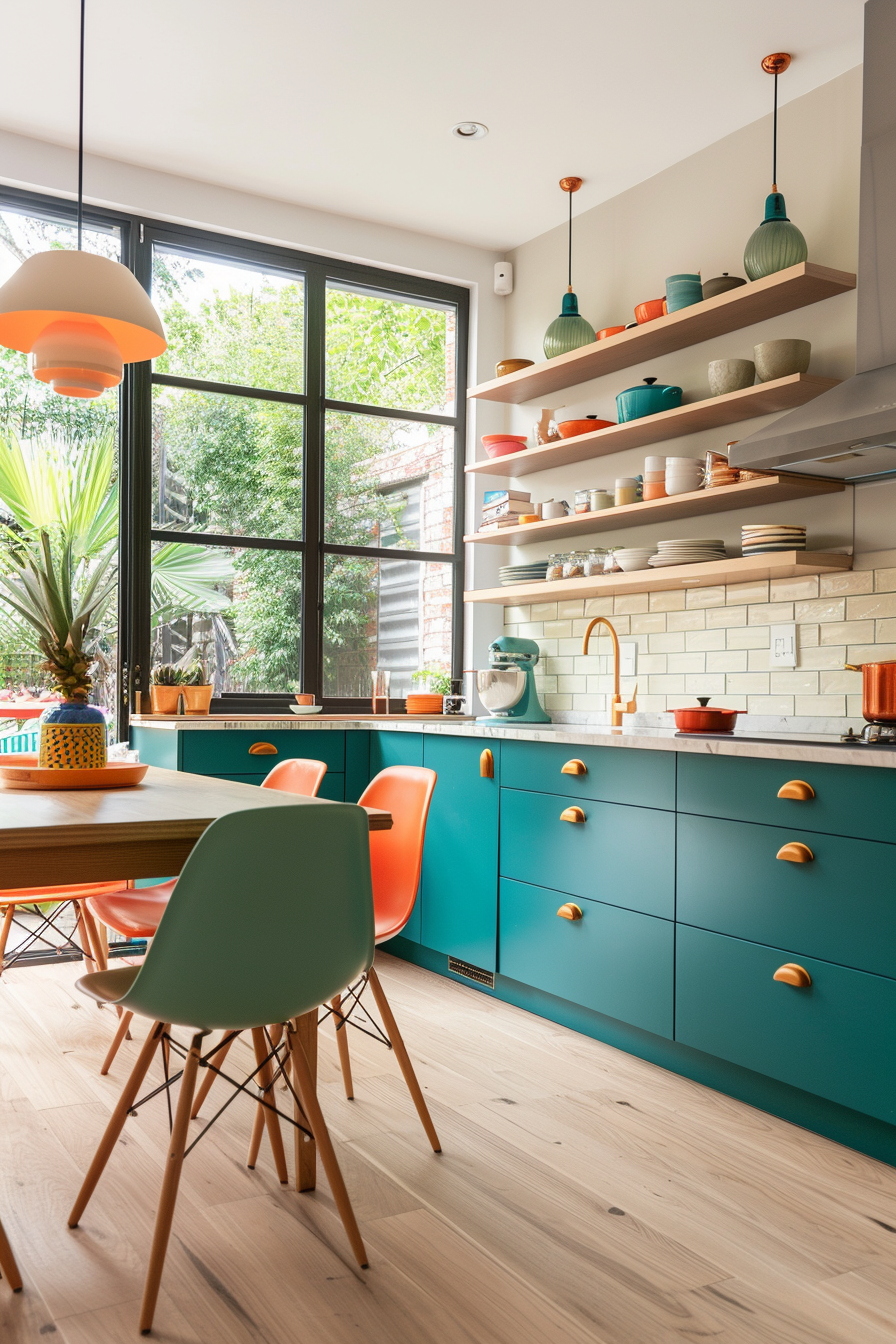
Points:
(503, 508)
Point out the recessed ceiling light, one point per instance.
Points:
(469, 130)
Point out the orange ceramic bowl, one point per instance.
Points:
(649, 311)
(608, 331)
(505, 366)
(570, 428)
(499, 445)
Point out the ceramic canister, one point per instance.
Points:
(683, 290)
(72, 737)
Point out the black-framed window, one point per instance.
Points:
(305, 437)
(290, 471)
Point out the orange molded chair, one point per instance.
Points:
(135, 912)
(396, 857)
(77, 894)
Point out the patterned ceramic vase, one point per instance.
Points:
(72, 737)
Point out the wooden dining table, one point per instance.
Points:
(54, 836)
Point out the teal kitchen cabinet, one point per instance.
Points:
(605, 851)
(460, 857)
(848, 799)
(238, 751)
(609, 774)
(835, 1038)
(396, 748)
(333, 786)
(616, 962)
(840, 905)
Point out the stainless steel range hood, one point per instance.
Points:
(850, 432)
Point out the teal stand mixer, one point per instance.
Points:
(507, 686)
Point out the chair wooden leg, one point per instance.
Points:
(272, 1121)
(4, 932)
(89, 936)
(208, 1081)
(304, 1031)
(345, 1059)
(307, 1091)
(404, 1061)
(8, 1267)
(116, 1121)
(170, 1183)
(121, 1032)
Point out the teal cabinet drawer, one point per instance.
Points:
(849, 799)
(621, 855)
(841, 906)
(612, 961)
(333, 786)
(460, 857)
(836, 1039)
(613, 774)
(395, 748)
(228, 752)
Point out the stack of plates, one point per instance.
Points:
(687, 551)
(510, 574)
(760, 537)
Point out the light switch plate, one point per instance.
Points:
(782, 646)
(628, 658)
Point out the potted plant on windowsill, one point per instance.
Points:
(435, 684)
(165, 688)
(197, 690)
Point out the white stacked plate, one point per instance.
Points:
(510, 574)
(687, 551)
(760, 538)
(633, 557)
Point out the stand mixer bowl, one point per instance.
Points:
(500, 688)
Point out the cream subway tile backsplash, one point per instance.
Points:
(715, 641)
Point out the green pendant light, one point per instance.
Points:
(569, 330)
(777, 243)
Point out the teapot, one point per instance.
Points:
(648, 399)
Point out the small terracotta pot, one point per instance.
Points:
(197, 699)
(164, 698)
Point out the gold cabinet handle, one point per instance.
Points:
(792, 974)
(572, 814)
(798, 789)
(570, 911)
(262, 749)
(574, 767)
(487, 765)
(795, 852)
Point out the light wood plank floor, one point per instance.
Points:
(583, 1197)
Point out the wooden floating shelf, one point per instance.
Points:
(782, 292)
(771, 490)
(747, 569)
(781, 395)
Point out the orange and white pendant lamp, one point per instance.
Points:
(79, 316)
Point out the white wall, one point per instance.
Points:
(698, 215)
(38, 166)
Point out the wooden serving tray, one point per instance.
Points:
(23, 772)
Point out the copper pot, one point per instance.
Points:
(878, 690)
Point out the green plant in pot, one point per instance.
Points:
(61, 601)
(432, 681)
(165, 688)
(197, 689)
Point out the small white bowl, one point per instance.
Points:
(679, 487)
(630, 562)
(306, 709)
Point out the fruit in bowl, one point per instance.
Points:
(499, 445)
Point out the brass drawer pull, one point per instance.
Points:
(795, 852)
(574, 767)
(570, 911)
(487, 765)
(792, 974)
(798, 789)
(572, 814)
(262, 749)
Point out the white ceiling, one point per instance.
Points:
(347, 106)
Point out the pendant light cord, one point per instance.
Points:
(775, 139)
(81, 130)
(569, 278)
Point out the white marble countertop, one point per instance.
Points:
(818, 748)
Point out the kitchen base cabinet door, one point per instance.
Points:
(616, 962)
(602, 851)
(238, 751)
(835, 1037)
(460, 858)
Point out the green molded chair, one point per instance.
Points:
(271, 917)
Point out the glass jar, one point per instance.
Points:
(626, 490)
(574, 565)
(555, 567)
(583, 501)
(594, 562)
(601, 499)
(610, 565)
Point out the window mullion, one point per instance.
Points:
(313, 481)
